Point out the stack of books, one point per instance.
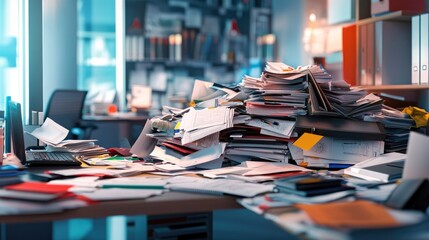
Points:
(310, 186)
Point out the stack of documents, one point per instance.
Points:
(209, 95)
(257, 171)
(340, 153)
(276, 93)
(81, 147)
(250, 142)
(397, 126)
(53, 135)
(344, 142)
(37, 197)
(197, 124)
(349, 102)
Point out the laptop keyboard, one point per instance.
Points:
(51, 158)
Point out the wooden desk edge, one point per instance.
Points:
(168, 203)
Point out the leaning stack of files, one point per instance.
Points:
(349, 101)
(81, 147)
(357, 109)
(309, 186)
(397, 126)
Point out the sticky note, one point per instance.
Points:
(177, 127)
(307, 141)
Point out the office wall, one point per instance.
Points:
(59, 46)
(290, 21)
(288, 25)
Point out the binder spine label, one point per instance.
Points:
(415, 50)
(424, 43)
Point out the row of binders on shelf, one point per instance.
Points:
(420, 49)
(190, 45)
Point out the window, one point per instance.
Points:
(96, 48)
(11, 54)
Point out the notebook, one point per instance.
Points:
(33, 158)
(384, 172)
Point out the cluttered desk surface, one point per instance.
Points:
(236, 148)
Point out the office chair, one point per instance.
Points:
(65, 108)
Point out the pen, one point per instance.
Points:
(330, 165)
(271, 123)
(131, 186)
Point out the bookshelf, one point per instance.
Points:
(377, 53)
(210, 40)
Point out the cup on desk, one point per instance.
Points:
(100, 108)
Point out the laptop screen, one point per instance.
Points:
(17, 131)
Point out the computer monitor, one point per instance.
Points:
(16, 131)
(7, 126)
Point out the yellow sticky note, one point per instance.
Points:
(307, 141)
(177, 127)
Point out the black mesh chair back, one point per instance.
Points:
(65, 108)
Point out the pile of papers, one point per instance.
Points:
(197, 124)
(277, 93)
(53, 135)
(397, 126)
(256, 120)
(348, 102)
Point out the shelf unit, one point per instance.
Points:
(395, 16)
(395, 87)
(367, 46)
(377, 54)
(209, 40)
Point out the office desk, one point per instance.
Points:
(176, 208)
(165, 204)
(112, 129)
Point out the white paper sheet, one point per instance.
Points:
(144, 145)
(417, 161)
(50, 132)
(202, 156)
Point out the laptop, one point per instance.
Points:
(29, 158)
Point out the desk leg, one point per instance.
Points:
(39, 230)
(182, 226)
(136, 227)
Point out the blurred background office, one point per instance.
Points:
(138, 55)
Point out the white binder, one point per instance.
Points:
(424, 43)
(415, 50)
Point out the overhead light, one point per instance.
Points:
(312, 17)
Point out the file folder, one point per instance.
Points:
(340, 128)
(415, 50)
(424, 54)
(366, 59)
(391, 52)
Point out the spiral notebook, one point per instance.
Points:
(223, 186)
